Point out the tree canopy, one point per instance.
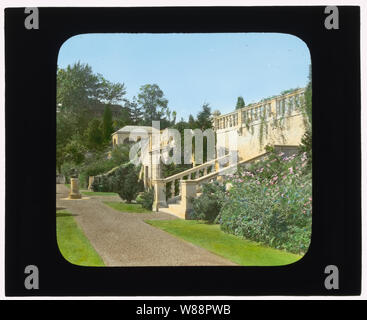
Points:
(153, 103)
(240, 103)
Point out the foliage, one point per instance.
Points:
(97, 167)
(306, 147)
(67, 169)
(135, 111)
(107, 127)
(306, 142)
(146, 199)
(208, 205)
(192, 122)
(74, 152)
(120, 154)
(125, 182)
(94, 135)
(288, 91)
(204, 118)
(240, 103)
(78, 86)
(153, 104)
(271, 202)
(79, 90)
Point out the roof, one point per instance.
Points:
(128, 129)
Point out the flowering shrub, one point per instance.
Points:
(208, 205)
(271, 202)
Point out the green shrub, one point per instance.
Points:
(68, 170)
(125, 182)
(146, 199)
(208, 205)
(102, 183)
(271, 202)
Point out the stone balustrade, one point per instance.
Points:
(284, 105)
(169, 189)
(188, 188)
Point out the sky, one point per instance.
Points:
(193, 69)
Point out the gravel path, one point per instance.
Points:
(124, 239)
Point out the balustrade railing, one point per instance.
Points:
(185, 185)
(278, 106)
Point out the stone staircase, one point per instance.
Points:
(186, 185)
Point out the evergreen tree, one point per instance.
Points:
(135, 111)
(240, 103)
(107, 124)
(94, 135)
(192, 122)
(153, 104)
(204, 118)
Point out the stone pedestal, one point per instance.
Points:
(188, 193)
(74, 189)
(90, 182)
(159, 195)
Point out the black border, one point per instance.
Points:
(30, 74)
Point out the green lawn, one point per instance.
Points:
(73, 244)
(126, 207)
(210, 237)
(91, 193)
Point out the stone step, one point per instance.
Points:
(174, 209)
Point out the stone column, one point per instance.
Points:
(74, 189)
(90, 182)
(239, 118)
(188, 193)
(159, 194)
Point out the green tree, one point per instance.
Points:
(79, 89)
(204, 117)
(94, 135)
(192, 122)
(153, 103)
(110, 93)
(174, 115)
(240, 103)
(126, 182)
(135, 111)
(74, 152)
(107, 126)
(120, 154)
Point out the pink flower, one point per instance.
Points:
(290, 170)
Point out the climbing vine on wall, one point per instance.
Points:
(281, 118)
